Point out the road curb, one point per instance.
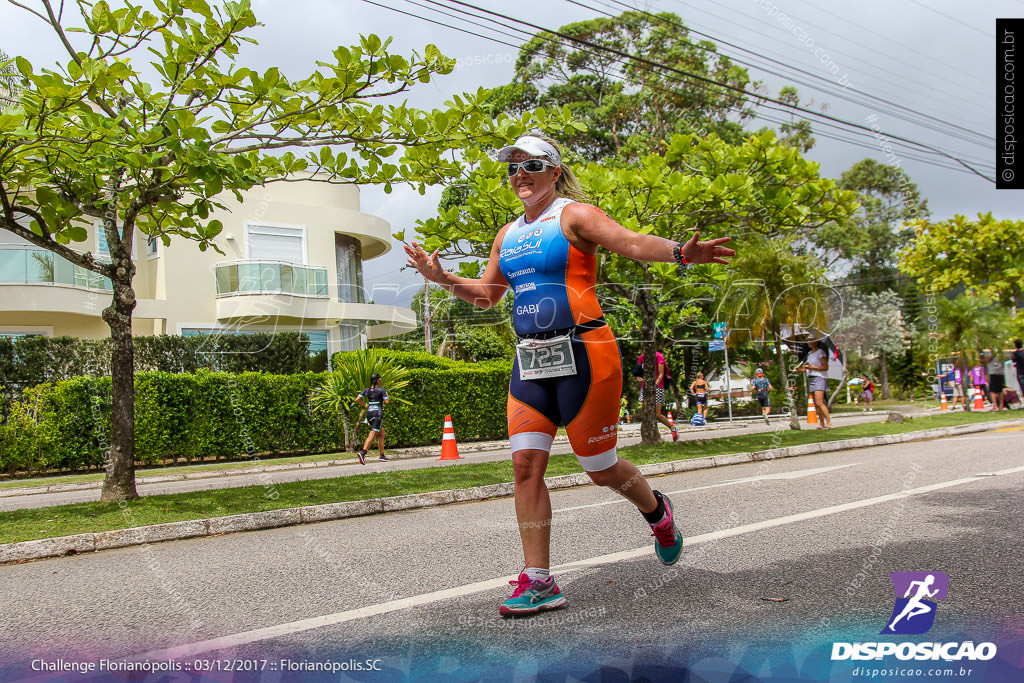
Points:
(270, 519)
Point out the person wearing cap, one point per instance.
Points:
(375, 397)
(568, 370)
(762, 385)
(816, 367)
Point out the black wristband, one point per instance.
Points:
(677, 254)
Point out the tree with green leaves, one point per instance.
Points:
(873, 325)
(771, 286)
(867, 243)
(93, 141)
(631, 106)
(985, 255)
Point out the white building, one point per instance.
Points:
(292, 261)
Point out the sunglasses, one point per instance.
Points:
(530, 166)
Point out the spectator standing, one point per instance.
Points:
(700, 388)
(659, 391)
(996, 378)
(816, 367)
(958, 388)
(978, 379)
(1018, 364)
(867, 392)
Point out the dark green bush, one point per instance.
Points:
(66, 424)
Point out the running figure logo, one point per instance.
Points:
(914, 613)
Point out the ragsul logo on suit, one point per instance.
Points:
(916, 593)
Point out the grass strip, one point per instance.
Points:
(64, 520)
(29, 482)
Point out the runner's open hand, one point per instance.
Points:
(428, 265)
(706, 252)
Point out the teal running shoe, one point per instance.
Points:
(531, 597)
(668, 542)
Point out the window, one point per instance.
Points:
(102, 251)
(19, 331)
(101, 240)
(349, 254)
(274, 243)
(350, 337)
(317, 338)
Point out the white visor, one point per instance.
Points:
(533, 146)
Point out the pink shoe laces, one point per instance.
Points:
(664, 533)
(522, 585)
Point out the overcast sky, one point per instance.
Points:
(934, 57)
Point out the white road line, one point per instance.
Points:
(281, 630)
(746, 480)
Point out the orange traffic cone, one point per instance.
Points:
(671, 421)
(449, 449)
(943, 405)
(979, 402)
(812, 412)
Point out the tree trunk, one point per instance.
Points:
(347, 430)
(649, 433)
(119, 483)
(794, 419)
(884, 375)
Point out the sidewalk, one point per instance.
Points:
(628, 435)
(133, 536)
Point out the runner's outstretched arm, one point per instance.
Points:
(593, 226)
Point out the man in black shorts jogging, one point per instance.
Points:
(376, 396)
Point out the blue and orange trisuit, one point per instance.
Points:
(553, 285)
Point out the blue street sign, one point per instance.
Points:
(716, 345)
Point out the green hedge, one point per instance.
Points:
(410, 359)
(27, 361)
(65, 425)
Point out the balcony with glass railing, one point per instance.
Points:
(21, 266)
(270, 277)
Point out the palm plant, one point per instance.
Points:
(771, 287)
(352, 372)
(965, 325)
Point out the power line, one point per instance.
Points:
(712, 82)
(902, 86)
(829, 83)
(951, 18)
(862, 132)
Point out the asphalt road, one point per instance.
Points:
(783, 559)
(629, 435)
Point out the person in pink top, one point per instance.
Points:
(659, 391)
(978, 378)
